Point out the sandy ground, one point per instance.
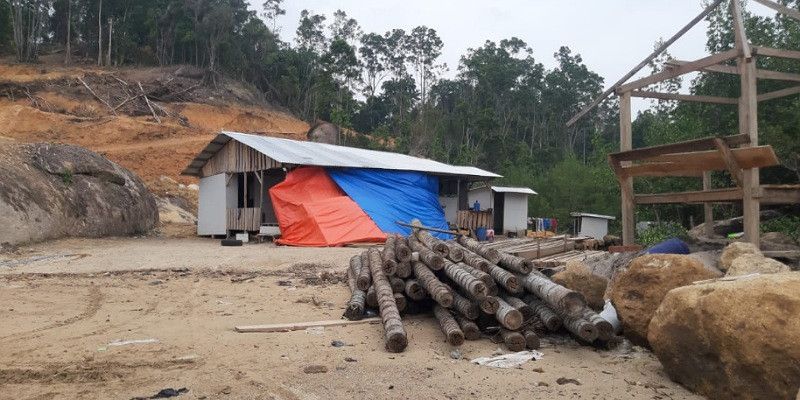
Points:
(64, 302)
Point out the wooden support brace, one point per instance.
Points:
(730, 161)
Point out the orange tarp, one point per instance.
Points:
(313, 211)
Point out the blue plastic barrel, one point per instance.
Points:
(481, 234)
(669, 246)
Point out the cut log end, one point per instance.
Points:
(514, 341)
(396, 341)
(531, 340)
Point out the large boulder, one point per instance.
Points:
(733, 251)
(49, 191)
(637, 291)
(734, 339)
(576, 276)
(755, 263)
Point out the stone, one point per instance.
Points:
(732, 338)
(315, 369)
(577, 277)
(776, 241)
(637, 292)
(734, 250)
(710, 259)
(755, 263)
(50, 191)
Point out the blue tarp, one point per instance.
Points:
(390, 196)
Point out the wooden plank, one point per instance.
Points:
(730, 161)
(740, 35)
(687, 146)
(296, 326)
(780, 194)
(746, 157)
(660, 170)
(710, 196)
(779, 93)
(680, 70)
(773, 52)
(684, 97)
(626, 183)
(789, 12)
(711, 7)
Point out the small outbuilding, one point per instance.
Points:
(509, 206)
(591, 225)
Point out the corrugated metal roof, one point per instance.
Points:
(590, 215)
(504, 189)
(297, 152)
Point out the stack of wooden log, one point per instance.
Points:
(471, 289)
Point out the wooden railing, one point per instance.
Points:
(244, 219)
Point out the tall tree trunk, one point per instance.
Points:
(68, 49)
(100, 32)
(110, 29)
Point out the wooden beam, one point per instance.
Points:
(680, 70)
(709, 196)
(711, 7)
(626, 183)
(748, 123)
(708, 208)
(730, 69)
(687, 146)
(789, 12)
(684, 97)
(296, 326)
(739, 32)
(746, 157)
(779, 93)
(730, 161)
(772, 52)
(780, 194)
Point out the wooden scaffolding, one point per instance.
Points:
(700, 157)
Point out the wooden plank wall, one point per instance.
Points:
(244, 219)
(467, 219)
(236, 157)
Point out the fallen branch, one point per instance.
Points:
(146, 100)
(113, 110)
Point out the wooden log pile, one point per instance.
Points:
(472, 290)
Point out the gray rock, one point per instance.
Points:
(49, 191)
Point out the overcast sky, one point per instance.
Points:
(612, 36)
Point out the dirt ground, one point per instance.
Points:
(66, 112)
(65, 303)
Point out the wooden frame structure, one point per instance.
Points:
(700, 157)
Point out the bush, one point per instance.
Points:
(788, 225)
(660, 232)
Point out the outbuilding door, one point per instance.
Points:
(498, 211)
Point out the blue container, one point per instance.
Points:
(669, 246)
(481, 234)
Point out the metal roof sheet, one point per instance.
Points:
(590, 215)
(297, 152)
(506, 189)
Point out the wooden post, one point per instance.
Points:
(626, 183)
(708, 208)
(748, 124)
